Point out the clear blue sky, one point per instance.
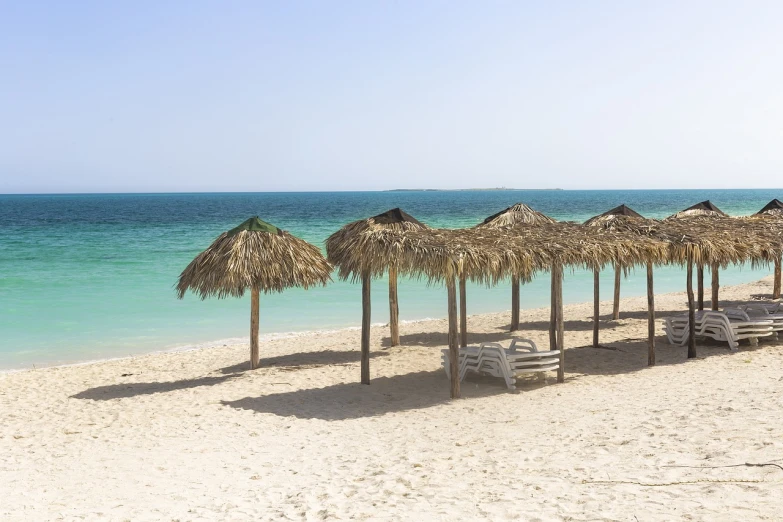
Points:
(267, 96)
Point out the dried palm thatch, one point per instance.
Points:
(718, 240)
(571, 244)
(254, 255)
(258, 256)
(369, 247)
(515, 215)
(489, 255)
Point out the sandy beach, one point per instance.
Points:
(195, 436)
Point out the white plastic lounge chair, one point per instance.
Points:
(495, 360)
(728, 327)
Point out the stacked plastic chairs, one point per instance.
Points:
(730, 326)
(493, 359)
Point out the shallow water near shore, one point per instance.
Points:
(85, 277)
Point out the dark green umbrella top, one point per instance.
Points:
(254, 224)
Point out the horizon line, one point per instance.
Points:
(150, 193)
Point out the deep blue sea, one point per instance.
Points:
(86, 277)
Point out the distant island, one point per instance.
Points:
(461, 190)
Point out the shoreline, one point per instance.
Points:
(279, 336)
(211, 345)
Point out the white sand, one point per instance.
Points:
(191, 436)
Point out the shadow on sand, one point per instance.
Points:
(630, 355)
(294, 361)
(410, 391)
(134, 389)
(302, 360)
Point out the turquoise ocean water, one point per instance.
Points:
(87, 277)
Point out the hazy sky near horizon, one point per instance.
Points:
(276, 96)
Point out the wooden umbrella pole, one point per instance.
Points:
(691, 313)
(715, 287)
(776, 284)
(514, 303)
(596, 305)
(394, 307)
(463, 311)
(650, 316)
(366, 328)
(700, 285)
(553, 311)
(560, 326)
(616, 307)
(453, 348)
(254, 328)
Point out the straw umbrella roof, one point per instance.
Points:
(489, 253)
(624, 219)
(571, 244)
(482, 255)
(373, 244)
(711, 236)
(720, 240)
(254, 254)
(526, 230)
(705, 208)
(598, 246)
(515, 215)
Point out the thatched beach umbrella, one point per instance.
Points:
(626, 219)
(704, 209)
(258, 256)
(607, 219)
(368, 248)
(519, 214)
(346, 245)
(774, 209)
